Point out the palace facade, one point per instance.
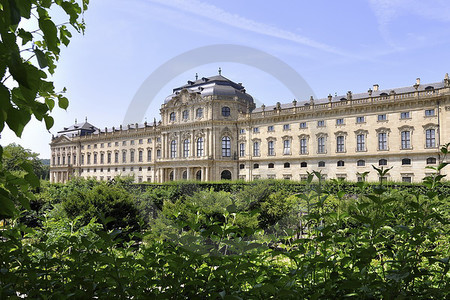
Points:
(210, 130)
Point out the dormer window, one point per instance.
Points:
(226, 111)
(172, 117)
(185, 115)
(199, 113)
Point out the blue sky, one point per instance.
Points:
(335, 46)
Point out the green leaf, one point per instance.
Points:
(7, 208)
(63, 102)
(42, 60)
(14, 12)
(24, 7)
(25, 36)
(50, 34)
(48, 121)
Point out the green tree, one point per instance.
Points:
(27, 58)
(14, 155)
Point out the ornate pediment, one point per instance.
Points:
(184, 97)
(60, 140)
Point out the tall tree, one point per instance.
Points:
(27, 58)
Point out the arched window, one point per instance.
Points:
(271, 165)
(340, 163)
(361, 163)
(140, 155)
(406, 161)
(271, 148)
(199, 113)
(140, 168)
(200, 146)
(225, 111)
(173, 149)
(184, 175)
(321, 164)
(186, 148)
(287, 165)
(431, 161)
(225, 175)
(303, 164)
(382, 162)
(255, 166)
(241, 166)
(149, 155)
(172, 117)
(226, 146)
(185, 114)
(198, 175)
(171, 176)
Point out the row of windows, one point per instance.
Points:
(340, 121)
(124, 143)
(361, 143)
(304, 177)
(226, 112)
(341, 163)
(115, 169)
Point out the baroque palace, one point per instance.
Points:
(210, 130)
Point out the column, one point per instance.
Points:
(207, 150)
(203, 174)
(175, 174)
(206, 173)
(210, 143)
(188, 173)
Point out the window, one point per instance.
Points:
(430, 138)
(158, 153)
(255, 166)
(226, 146)
(360, 142)
(140, 156)
(339, 121)
(132, 142)
(360, 119)
(132, 156)
(287, 165)
(241, 166)
(95, 158)
(405, 115)
(199, 113)
(116, 144)
(287, 147)
(321, 144)
(382, 162)
(124, 156)
(173, 149)
(108, 158)
(124, 143)
(74, 159)
(200, 147)
(340, 143)
(382, 117)
(172, 117)
(241, 131)
(406, 179)
(406, 139)
(185, 114)
(225, 111)
(406, 161)
(303, 125)
(303, 146)
(270, 128)
(340, 163)
(320, 123)
(149, 155)
(186, 148)
(95, 146)
(102, 158)
(271, 166)
(149, 140)
(286, 127)
(102, 145)
(242, 149)
(116, 157)
(361, 163)
(321, 164)
(271, 148)
(429, 112)
(141, 141)
(303, 164)
(256, 149)
(382, 141)
(431, 161)
(256, 130)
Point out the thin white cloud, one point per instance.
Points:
(219, 15)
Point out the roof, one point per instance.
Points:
(214, 85)
(337, 98)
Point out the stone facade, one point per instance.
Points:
(211, 130)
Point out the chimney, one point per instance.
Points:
(330, 97)
(418, 81)
(375, 87)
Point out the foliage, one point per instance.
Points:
(26, 59)
(15, 155)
